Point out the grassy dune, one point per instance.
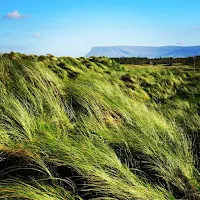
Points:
(93, 129)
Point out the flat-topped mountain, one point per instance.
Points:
(145, 51)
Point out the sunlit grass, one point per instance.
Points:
(121, 133)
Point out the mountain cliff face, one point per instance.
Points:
(144, 51)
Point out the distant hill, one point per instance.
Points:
(144, 51)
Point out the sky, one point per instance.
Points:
(73, 27)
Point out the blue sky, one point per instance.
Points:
(73, 27)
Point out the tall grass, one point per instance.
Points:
(110, 142)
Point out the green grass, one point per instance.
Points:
(92, 129)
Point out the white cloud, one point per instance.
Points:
(36, 35)
(14, 15)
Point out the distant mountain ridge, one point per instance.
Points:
(145, 51)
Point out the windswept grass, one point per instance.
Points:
(91, 129)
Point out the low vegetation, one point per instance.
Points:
(90, 128)
(192, 61)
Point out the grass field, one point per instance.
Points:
(93, 129)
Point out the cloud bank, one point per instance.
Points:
(36, 35)
(14, 15)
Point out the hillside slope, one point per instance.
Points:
(93, 129)
(144, 51)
